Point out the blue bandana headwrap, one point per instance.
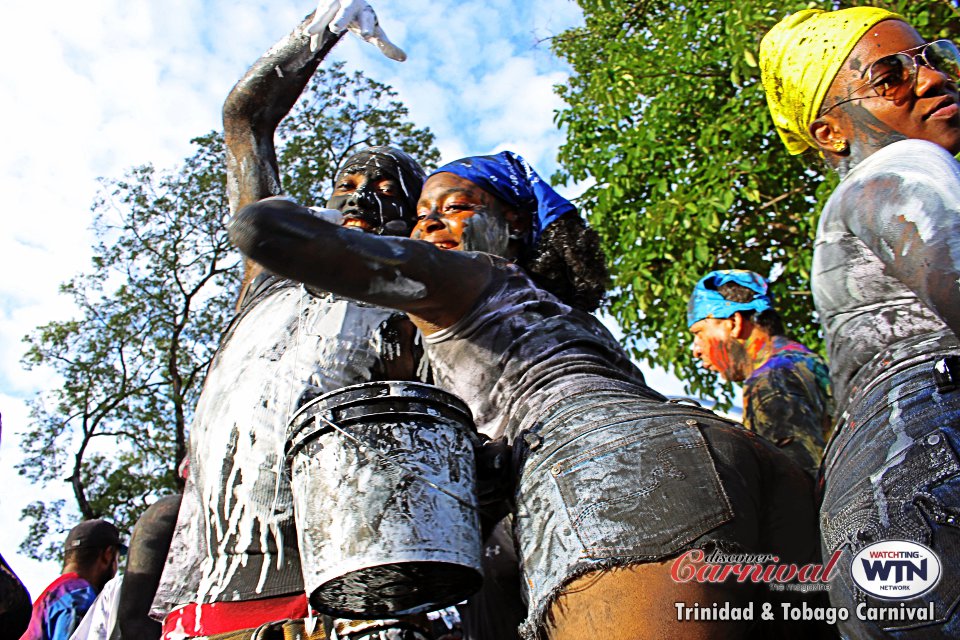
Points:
(510, 178)
(706, 301)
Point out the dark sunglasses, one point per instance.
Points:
(894, 76)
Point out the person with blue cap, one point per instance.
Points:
(786, 387)
(611, 481)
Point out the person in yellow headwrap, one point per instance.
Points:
(880, 105)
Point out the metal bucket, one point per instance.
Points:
(384, 490)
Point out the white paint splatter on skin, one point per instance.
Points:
(284, 346)
(398, 286)
(486, 232)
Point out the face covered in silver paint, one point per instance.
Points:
(377, 191)
(455, 213)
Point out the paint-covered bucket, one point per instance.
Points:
(384, 490)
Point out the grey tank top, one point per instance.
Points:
(520, 348)
(886, 262)
(235, 537)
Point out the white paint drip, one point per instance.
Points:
(902, 440)
(288, 344)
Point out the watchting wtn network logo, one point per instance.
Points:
(896, 569)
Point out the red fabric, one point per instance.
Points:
(62, 578)
(194, 620)
(58, 610)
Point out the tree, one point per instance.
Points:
(666, 114)
(161, 290)
(130, 366)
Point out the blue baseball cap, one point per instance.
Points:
(706, 301)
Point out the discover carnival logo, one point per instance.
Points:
(716, 566)
(895, 569)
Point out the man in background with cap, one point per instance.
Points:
(786, 387)
(90, 558)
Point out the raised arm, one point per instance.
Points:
(435, 287)
(270, 88)
(255, 107)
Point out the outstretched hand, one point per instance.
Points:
(355, 15)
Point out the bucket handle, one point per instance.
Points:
(386, 456)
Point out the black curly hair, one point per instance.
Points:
(568, 262)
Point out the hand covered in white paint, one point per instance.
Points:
(355, 15)
(330, 215)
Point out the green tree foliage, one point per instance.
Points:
(667, 117)
(131, 363)
(161, 289)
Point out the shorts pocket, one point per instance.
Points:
(914, 497)
(642, 491)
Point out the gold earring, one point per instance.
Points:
(840, 146)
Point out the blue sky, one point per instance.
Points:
(94, 88)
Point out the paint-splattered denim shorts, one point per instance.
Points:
(892, 472)
(609, 479)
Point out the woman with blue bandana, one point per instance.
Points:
(880, 106)
(612, 482)
(786, 387)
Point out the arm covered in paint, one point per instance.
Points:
(435, 287)
(266, 93)
(255, 107)
(270, 88)
(908, 213)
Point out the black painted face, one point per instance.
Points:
(377, 191)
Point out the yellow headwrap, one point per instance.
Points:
(800, 57)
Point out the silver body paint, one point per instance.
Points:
(885, 283)
(892, 472)
(235, 534)
(608, 473)
(486, 233)
(503, 360)
(406, 536)
(886, 264)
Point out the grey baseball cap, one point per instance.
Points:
(94, 533)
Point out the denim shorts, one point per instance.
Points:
(609, 479)
(891, 471)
